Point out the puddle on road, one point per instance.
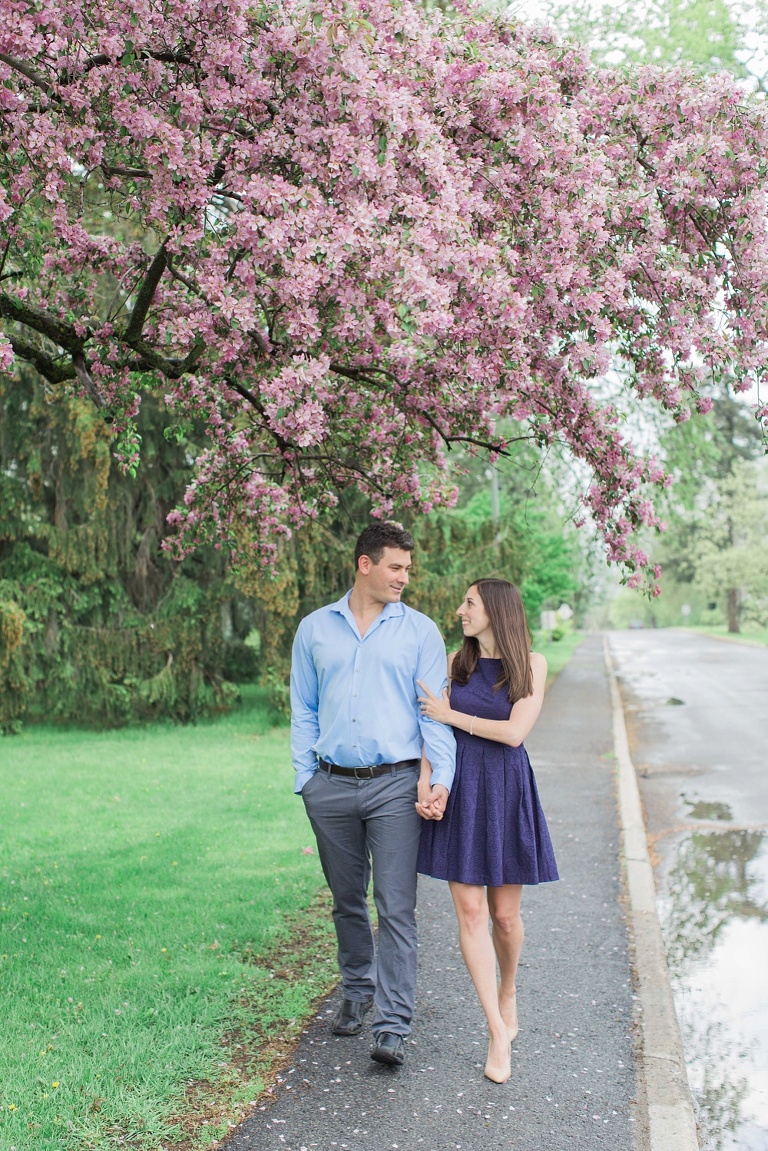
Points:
(715, 920)
(719, 812)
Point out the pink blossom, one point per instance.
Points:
(6, 355)
(377, 233)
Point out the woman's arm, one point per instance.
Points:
(510, 731)
(430, 801)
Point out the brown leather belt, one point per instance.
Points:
(366, 772)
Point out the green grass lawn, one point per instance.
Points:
(558, 653)
(157, 909)
(751, 633)
(148, 880)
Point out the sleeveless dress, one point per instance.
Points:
(494, 830)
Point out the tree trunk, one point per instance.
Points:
(733, 610)
(227, 621)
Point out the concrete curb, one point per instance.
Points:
(671, 1120)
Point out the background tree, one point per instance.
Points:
(714, 537)
(729, 552)
(368, 233)
(711, 34)
(96, 623)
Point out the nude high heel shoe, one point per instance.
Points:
(498, 1066)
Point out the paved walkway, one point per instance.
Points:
(574, 1084)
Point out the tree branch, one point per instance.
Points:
(102, 60)
(192, 356)
(185, 280)
(28, 71)
(110, 170)
(57, 373)
(256, 403)
(43, 322)
(146, 295)
(449, 440)
(86, 379)
(260, 342)
(219, 167)
(334, 464)
(4, 258)
(48, 367)
(364, 374)
(149, 360)
(171, 367)
(65, 337)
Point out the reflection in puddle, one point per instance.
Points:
(715, 921)
(720, 812)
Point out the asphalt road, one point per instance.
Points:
(574, 1085)
(695, 710)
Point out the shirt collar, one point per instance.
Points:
(390, 609)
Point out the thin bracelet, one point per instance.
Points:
(472, 724)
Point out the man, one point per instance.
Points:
(357, 736)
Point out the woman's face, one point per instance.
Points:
(472, 614)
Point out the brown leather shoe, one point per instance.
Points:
(349, 1018)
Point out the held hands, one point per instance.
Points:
(432, 800)
(434, 707)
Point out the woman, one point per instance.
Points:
(493, 837)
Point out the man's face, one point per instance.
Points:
(386, 580)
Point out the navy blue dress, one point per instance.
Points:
(494, 830)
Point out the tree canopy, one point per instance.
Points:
(347, 235)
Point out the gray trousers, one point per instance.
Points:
(362, 826)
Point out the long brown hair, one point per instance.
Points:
(506, 614)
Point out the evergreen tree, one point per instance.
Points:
(96, 623)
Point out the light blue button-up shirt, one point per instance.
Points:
(354, 700)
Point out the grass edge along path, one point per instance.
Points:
(256, 1056)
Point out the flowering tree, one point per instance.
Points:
(348, 235)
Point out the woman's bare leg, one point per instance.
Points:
(508, 935)
(479, 955)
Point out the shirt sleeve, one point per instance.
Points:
(439, 740)
(305, 727)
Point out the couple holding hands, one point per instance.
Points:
(401, 773)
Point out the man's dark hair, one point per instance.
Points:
(379, 535)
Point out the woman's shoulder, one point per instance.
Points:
(538, 662)
(451, 657)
